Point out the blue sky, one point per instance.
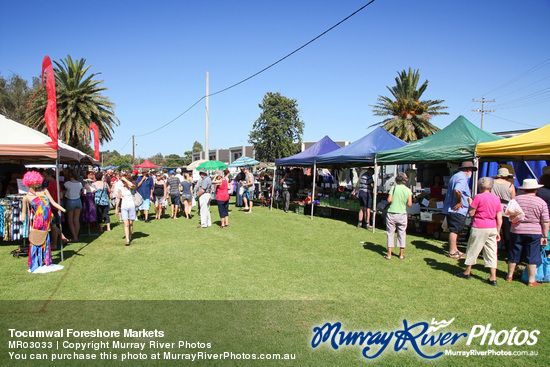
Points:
(153, 58)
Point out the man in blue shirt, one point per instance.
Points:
(145, 186)
(456, 204)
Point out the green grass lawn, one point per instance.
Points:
(264, 283)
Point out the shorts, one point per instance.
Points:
(160, 199)
(365, 199)
(175, 199)
(456, 222)
(146, 205)
(72, 204)
(128, 214)
(528, 244)
(248, 194)
(223, 208)
(186, 197)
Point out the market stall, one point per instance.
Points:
(455, 143)
(306, 158)
(360, 153)
(20, 144)
(527, 153)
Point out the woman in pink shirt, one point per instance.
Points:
(222, 197)
(486, 211)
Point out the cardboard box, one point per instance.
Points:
(426, 216)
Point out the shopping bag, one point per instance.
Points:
(138, 200)
(543, 271)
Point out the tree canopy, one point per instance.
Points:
(408, 115)
(79, 103)
(278, 131)
(15, 92)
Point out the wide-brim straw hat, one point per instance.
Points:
(530, 184)
(503, 173)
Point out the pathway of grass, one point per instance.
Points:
(273, 256)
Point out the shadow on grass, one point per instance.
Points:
(446, 267)
(371, 246)
(424, 245)
(455, 268)
(139, 235)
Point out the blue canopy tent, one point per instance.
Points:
(362, 151)
(307, 158)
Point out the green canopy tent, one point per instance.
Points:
(455, 143)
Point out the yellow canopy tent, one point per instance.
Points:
(534, 145)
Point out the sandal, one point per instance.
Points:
(387, 257)
(509, 279)
(402, 257)
(127, 243)
(457, 255)
(534, 284)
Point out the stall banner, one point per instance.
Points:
(50, 116)
(93, 127)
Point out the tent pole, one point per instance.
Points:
(375, 191)
(530, 170)
(313, 184)
(273, 189)
(60, 237)
(475, 176)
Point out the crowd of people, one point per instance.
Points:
(516, 225)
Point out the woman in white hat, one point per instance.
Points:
(529, 235)
(505, 190)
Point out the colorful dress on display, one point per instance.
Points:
(88, 208)
(40, 217)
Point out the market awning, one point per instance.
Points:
(22, 143)
(534, 145)
(457, 142)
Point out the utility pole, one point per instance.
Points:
(483, 110)
(206, 148)
(133, 151)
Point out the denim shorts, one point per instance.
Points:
(128, 214)
(185, 197)
(72, 204)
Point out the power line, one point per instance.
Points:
(261, 71)
(517, 122)
(522, 75)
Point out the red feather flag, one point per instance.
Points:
(50, 116)
(93, 127)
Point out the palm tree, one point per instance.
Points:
(409, 117)
(79, 103)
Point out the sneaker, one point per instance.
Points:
(369, 226)
(490, 282)
(359, 225)
(463, 276)
(147, 221)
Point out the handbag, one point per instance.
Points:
(38, 237)
(138, 200)
(543, 270)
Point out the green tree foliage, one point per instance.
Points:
(15, 92)
(409, 116)
(278, 131)
(79, 103)
(197, 147)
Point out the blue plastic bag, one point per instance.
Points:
(543, 270)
